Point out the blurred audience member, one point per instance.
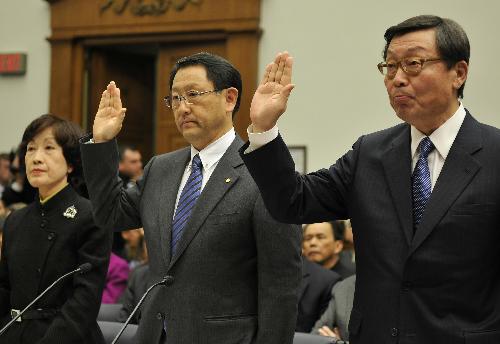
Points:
(116, 279)
(348, 256)
(5, 175)
(19, 190)
(323, 243)
(335, 320)
(130, 165)
(134, 249)
(314, 294)
(139, 281)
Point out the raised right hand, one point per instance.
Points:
(271, 97)
(109, 118)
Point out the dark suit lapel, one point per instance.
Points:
(174, 170)
(459, 169)
(397, 167)
(222, 179)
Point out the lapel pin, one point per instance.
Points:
(228, 180)
(70, 212)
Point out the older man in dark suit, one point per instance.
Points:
(423, 196)
(232, 271)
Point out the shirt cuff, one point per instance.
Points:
(258, 140)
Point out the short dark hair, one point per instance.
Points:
(337, 226)
(451, 39)
(219, 71)
(67, 135)
(125, 147)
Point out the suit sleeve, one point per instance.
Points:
(279, 273)
(327, 295)
(81, 308)
(114, 207)
(328, 316)
(293, 198)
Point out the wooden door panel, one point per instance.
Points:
(134, 75)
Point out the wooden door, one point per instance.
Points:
(133, 70)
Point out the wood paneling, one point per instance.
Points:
(229, 28)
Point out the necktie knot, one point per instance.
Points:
(426, 146)
(196, 163)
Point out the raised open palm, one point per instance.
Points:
(270, 99)
(109, 118)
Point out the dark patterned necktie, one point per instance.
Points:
(187, 201)
(421, 181)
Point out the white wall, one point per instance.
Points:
(24, 27)
(336, 45)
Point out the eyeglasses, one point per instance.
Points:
(191, 98)
(410, 65)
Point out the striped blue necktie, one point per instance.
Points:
(187, 201)
(421, 181)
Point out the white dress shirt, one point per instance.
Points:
(210, 156)
(442, 138)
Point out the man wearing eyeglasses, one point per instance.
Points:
(423, 196)
(232, 272)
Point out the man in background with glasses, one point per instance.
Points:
(232, 271)
(423, 196)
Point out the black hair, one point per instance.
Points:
(219, 71)
(67, 136)
(451, 39)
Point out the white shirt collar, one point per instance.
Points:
(443, 137)
(212, 153)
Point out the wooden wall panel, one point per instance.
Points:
(229, 27)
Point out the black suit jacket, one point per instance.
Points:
(40, 244)
(314, 293)
(441, 285)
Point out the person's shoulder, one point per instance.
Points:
(20, 213)
(171, 155)
(347, 283)
(387, 134)
(320, 272)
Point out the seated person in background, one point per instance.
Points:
(50, 237)
(335, 320)
(130, 165)
(314, 294)
(323, 243)
(19, 190)
(348, 256)
(138, 283)
(133, 250)
(5, 174)
(116, 279)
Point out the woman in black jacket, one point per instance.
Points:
(50, 237)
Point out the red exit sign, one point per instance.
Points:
(12, 64)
